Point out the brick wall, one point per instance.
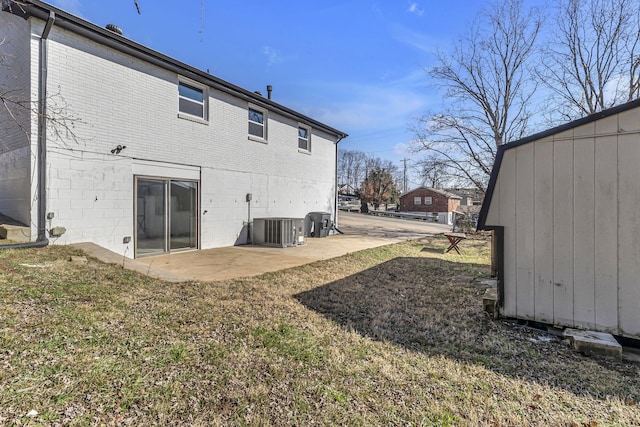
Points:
(15, 154)
(439, 202)
(119, 100)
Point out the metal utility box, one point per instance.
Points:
(278, 232)
(318, 224)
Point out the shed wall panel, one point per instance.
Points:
(586, 130)
(607, 126)
(629, 234)
(493, 214)
(525, 298)
(543, 223)
(584, 225)
(629, 121)
(508, 220)
(606, 233)
(563, 231)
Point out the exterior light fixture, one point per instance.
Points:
(118, 149)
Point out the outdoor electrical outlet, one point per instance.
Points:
(126, 239)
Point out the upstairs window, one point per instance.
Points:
(257, 123)
(428, 200)
(191, 100)
(417, 200)
(304, 139)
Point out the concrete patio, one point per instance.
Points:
(360, 232)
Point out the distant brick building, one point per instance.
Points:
(425, 199)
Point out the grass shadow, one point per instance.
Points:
(413, 303)
(431, 250)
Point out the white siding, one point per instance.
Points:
(583, 223)
(508, 220)
(525, 293)
(543, 226)
(570, 208)
(606, 232)
(563, 230)
(493, 213)
(629, 234)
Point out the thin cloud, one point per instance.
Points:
(402, 148)
(371, 107)
(415, 9)
(415, 39)
(273, 56)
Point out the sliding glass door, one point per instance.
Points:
(183, 230)
(166, 214)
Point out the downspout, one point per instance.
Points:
(335, 202)
(42, 240)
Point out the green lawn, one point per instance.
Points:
(388, 336)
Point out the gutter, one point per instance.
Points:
(42, 240)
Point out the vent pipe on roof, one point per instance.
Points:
(114, 29)
(269, 90)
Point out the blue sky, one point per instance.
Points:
(356, 65)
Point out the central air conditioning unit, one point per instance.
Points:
(278, 232)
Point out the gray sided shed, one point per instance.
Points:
(565, 209)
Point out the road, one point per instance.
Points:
(392, 228)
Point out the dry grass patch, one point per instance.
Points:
(388, 336)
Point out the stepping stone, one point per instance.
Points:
(594, 343)
(490, 302)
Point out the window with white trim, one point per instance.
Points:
(304, 139)
(428, 200)
(257, 123)
(417, 200)
(192, 100)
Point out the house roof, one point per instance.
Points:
(447, 194)
(346, 189)
(535, 137)
(41, 10)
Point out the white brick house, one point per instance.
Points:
(193, 146)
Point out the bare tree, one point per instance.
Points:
(488, 84)
(434, 172)
(592, 61)
(17, 107)
(351, 168)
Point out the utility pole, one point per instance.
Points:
(404, 179)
